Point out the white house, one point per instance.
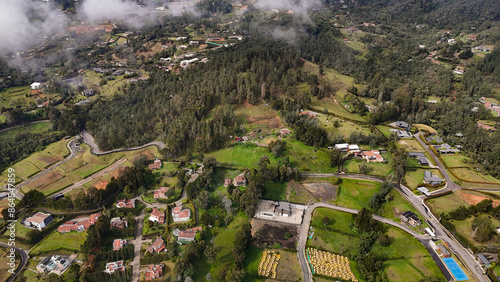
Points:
(39, 221)
(342, 147)
(178, 214)
(36, 85)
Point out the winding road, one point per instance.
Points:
(24, 260)
(94, 149)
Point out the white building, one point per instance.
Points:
(36, 85)
(39, 221)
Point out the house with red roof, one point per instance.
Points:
(157, 216)
(111, 267)
(188, 235)
(179, 214)
(227, 181)
(285, 131)
(124, 203)
(118, 244)
(240, 180)
(154, 271)
(155, 165)
(372, 156)
(157, 246)
(79, 226)
(161, 193)
(93, 218)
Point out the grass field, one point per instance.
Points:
(275, 191)
(345, 129)
(399, 203)
(415, 177)
(378, 169)
(455, 160)
(469, 174)
(412, 264)
(23, 171)
(4, 263)
(55, 241)
(288, 266)
(334, 108)
(31, 128)
(464, 228)
(425, 127)
(91, 80)
(21, 230)
(2, 119)
(447, 203)
(355, 194)
(242, 156)
(14, 96)
(386, 130)
(411, 145)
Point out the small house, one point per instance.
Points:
(155, 165)
(161, 193)
(179, 214)
(125, 203)
(403, 125)
(157, 246)
(157, 216)
(285, 131)
(153, 272)
(240, 180)
(112, 267)
(227, 181)
(484, 261)
(39, 221)
(432, 179)
(372, 156)
(424, 191)
(118, 244)
(343, 147)
(188, 235)
(119, 223)
(410, 218)
(36, 86)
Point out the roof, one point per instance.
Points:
(240, 178)
(415, 154)
(39, 217)
(483, 259)
(176, 210)
(93, 217)
(411, 215)
(342, 146)
(184, 213)
(443, 249)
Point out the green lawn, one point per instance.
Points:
(345, 129)
(355, 194)
(21, 230)
(470, 174)
(307, 158)
(455, 160)
(378, 169)
(71, 241)
(464, 227)
(23, 170)
(241, 155)
(29, 128)
(447, 203)
(386, 130)
(412, 264)
(14, 96)
(275, 191)
(399, 203)
(2, 119)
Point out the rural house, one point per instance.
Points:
(111, 267)
(154, 271)
(53, 264)
(119, 223)
(124, 203)
(118, 244)
(188, 235)
(39, 221)
(161, 193)
(285, 131)
(178, 214)
(157, 216)
(432, 179)
(410, 218)
(227, 181)
(240, 180)
(157, 246)
(155, 165)
(372, 156)
(403, 125)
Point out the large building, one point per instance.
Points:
(112, 267)
(53, 264)
(154, 271)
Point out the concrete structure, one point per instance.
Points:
(403, 125)
(444, 251)
(424, 191)
(280, 211)
(39, 221)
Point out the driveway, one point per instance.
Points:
(94, 149)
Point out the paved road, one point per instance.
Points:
(12, 127)
(98, 174)
(94, 149)
(306, 222)
(24, 260)
(73, 148)
(136, 262)
(450, 185)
